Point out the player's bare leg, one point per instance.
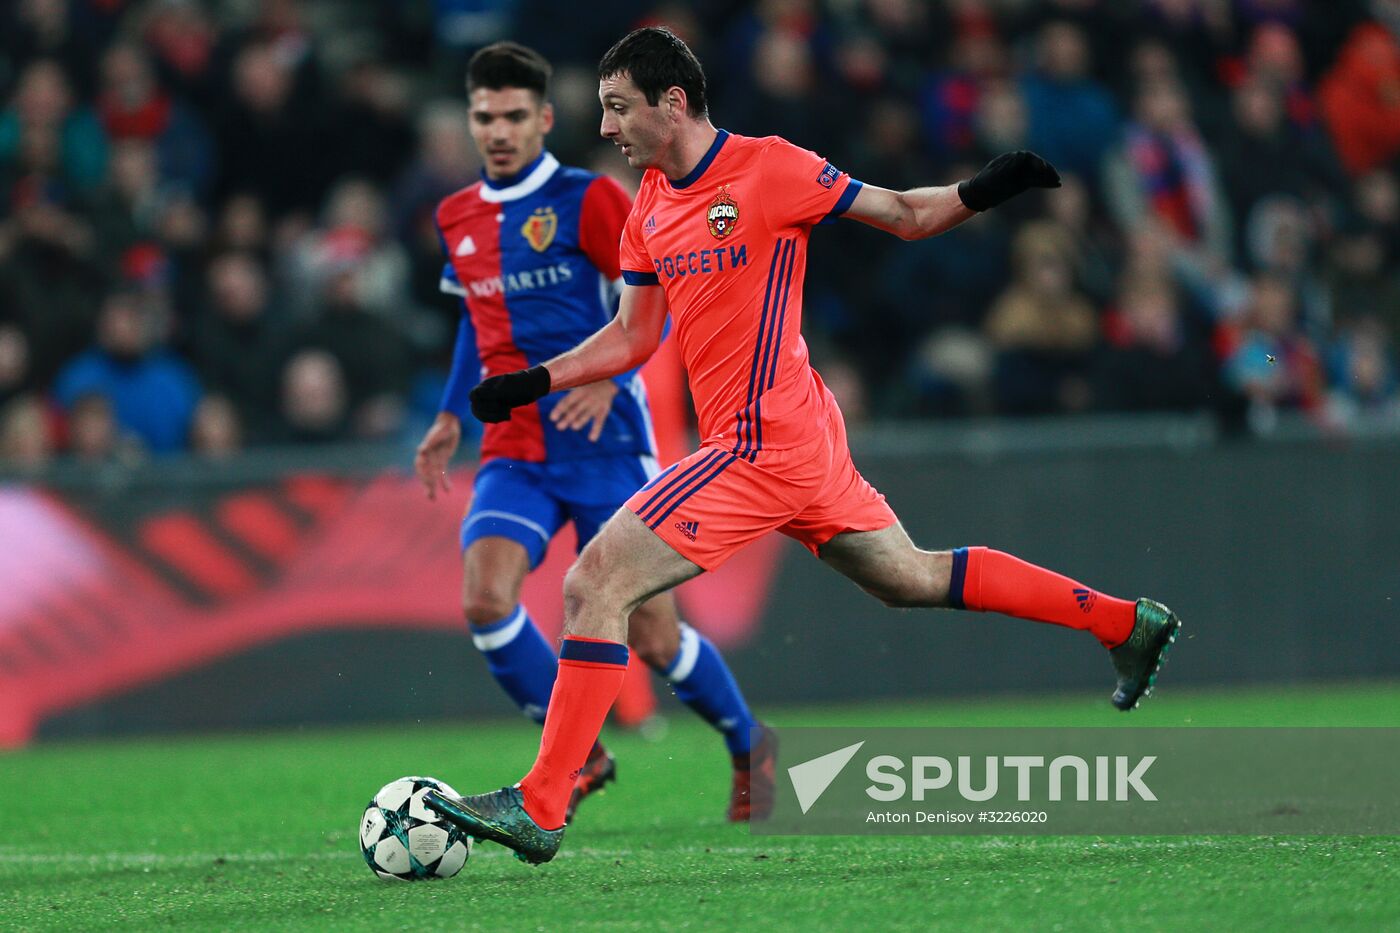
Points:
(888, 566)
(493, 570)
(622, 567)
(654, 631)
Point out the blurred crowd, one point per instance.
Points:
(216, 215)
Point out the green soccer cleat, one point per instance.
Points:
(499, 817)
(1138, 659)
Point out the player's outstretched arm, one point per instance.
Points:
(926, 212)
(623, 343)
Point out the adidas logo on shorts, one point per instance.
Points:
(689, 529)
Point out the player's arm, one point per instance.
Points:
(622, 344)
(926, 212)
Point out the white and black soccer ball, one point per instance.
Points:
(401, 838)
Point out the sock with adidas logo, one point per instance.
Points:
(992, 581)
(590, 675)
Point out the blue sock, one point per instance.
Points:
(702, 681)
(521, 661)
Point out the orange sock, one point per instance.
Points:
(992, 581)
(590, 675)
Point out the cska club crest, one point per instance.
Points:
(723, 214)
(539, 228)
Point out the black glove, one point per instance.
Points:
(493, 398)
(1005, 177)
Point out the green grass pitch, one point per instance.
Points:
(257, 832)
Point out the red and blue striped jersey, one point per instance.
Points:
(535, 260)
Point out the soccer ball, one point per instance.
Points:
(401, 838)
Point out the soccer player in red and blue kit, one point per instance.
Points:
(532, 252)
(718, 235)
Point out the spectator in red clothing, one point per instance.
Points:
(181, 37)
(1361, 94)
(131, 105)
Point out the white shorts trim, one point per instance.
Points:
(536, 527)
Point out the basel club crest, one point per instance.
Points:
(539, 228)
(723, 214)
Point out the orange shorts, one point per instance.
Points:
(715, 501)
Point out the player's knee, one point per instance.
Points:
(650, 649)
(485, 606)
(654, 644)
(584, 586)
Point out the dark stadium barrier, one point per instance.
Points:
(190, 598)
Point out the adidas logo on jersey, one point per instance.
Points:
(650, 225)
(689, 529)
(467, 247)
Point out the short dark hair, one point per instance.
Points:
(509, 64)
(655, 59)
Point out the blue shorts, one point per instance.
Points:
(528, 502)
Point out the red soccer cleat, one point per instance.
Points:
(751, 799)
(598, 770)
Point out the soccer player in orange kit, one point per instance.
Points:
(718, 235)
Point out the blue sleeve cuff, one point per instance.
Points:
(465, 372)
(843, 203)
(640, 278)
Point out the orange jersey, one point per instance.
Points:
(728, 243)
